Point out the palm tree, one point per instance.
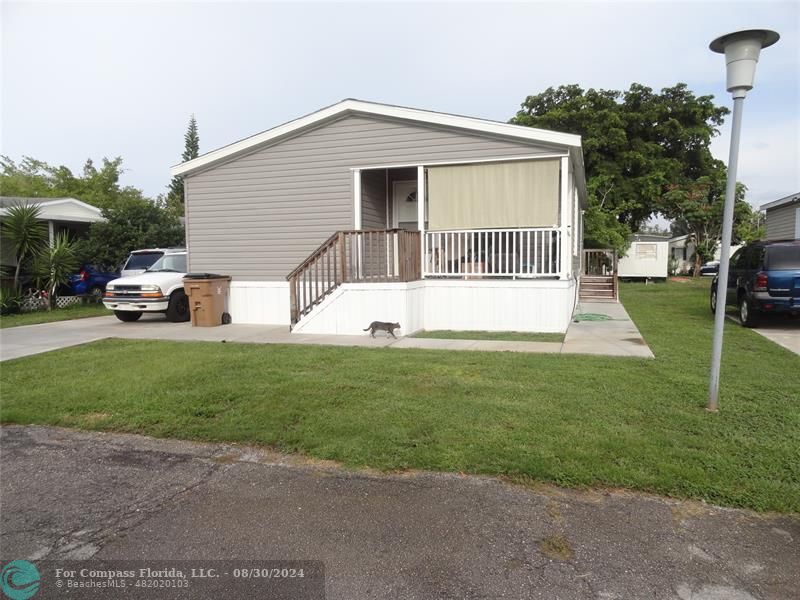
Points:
(25, 233)
(56, 263)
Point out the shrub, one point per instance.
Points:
(10, 300)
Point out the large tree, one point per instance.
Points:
(35, 178)
(128, 226)
(697, 206)
(636, 144)
(191, 149)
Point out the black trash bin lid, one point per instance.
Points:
(204, 276)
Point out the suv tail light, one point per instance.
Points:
(761, 282)
(84, 275)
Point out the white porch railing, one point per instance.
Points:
(478, 253)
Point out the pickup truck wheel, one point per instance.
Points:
(178, 307)
(127, 316)
(747, 315)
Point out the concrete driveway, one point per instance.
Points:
(616, 337)
(90, 497)
(781, 329)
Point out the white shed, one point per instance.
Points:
(648, 257)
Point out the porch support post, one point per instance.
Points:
(565, 210)
(357, 198)
(51, 232)
(421, 216)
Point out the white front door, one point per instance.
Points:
(404, 203)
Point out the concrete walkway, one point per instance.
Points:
(71, 495)
(617, 337)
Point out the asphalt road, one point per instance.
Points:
(90, 496)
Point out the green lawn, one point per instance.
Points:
(80, 311)
(503, 336)
(570, 420)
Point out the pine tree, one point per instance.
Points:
(191, 150)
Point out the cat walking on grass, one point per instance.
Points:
(381, 326)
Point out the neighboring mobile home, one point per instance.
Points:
(58, 214)
(647, 258)
(783, 218)
(682, 252)
(362, 212)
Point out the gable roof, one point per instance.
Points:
(352, 106)
(782, 202)
(680, 238)
(56, 209)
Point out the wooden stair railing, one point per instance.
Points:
(375, 255)
(599, 279)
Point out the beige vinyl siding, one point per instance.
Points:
(781, 222)
(258, 216)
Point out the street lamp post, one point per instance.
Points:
(741, 50)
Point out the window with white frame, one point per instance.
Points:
(646, 251)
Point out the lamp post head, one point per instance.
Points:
(741, 50)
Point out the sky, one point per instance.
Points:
(97, 79)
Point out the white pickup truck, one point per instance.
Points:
(158, 289)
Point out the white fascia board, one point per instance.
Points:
(776, 203)
(383, 110)
(579, 173)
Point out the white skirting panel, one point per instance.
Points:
(535, 305)
(259, 302)
(353, 306)
(487, 305)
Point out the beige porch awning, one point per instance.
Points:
(494, 195)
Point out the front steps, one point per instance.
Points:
(598, 288)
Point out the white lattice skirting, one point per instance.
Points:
(34, 304)
(64, 301)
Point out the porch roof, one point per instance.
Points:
(70, 210)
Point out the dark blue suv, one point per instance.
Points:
(91, 281)
(764, 278)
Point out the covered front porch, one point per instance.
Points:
(509, 220)
(489, 219)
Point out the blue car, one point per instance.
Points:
(91, 281)
(763, 278)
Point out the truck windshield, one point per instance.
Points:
(175, 263)
(141, 260)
